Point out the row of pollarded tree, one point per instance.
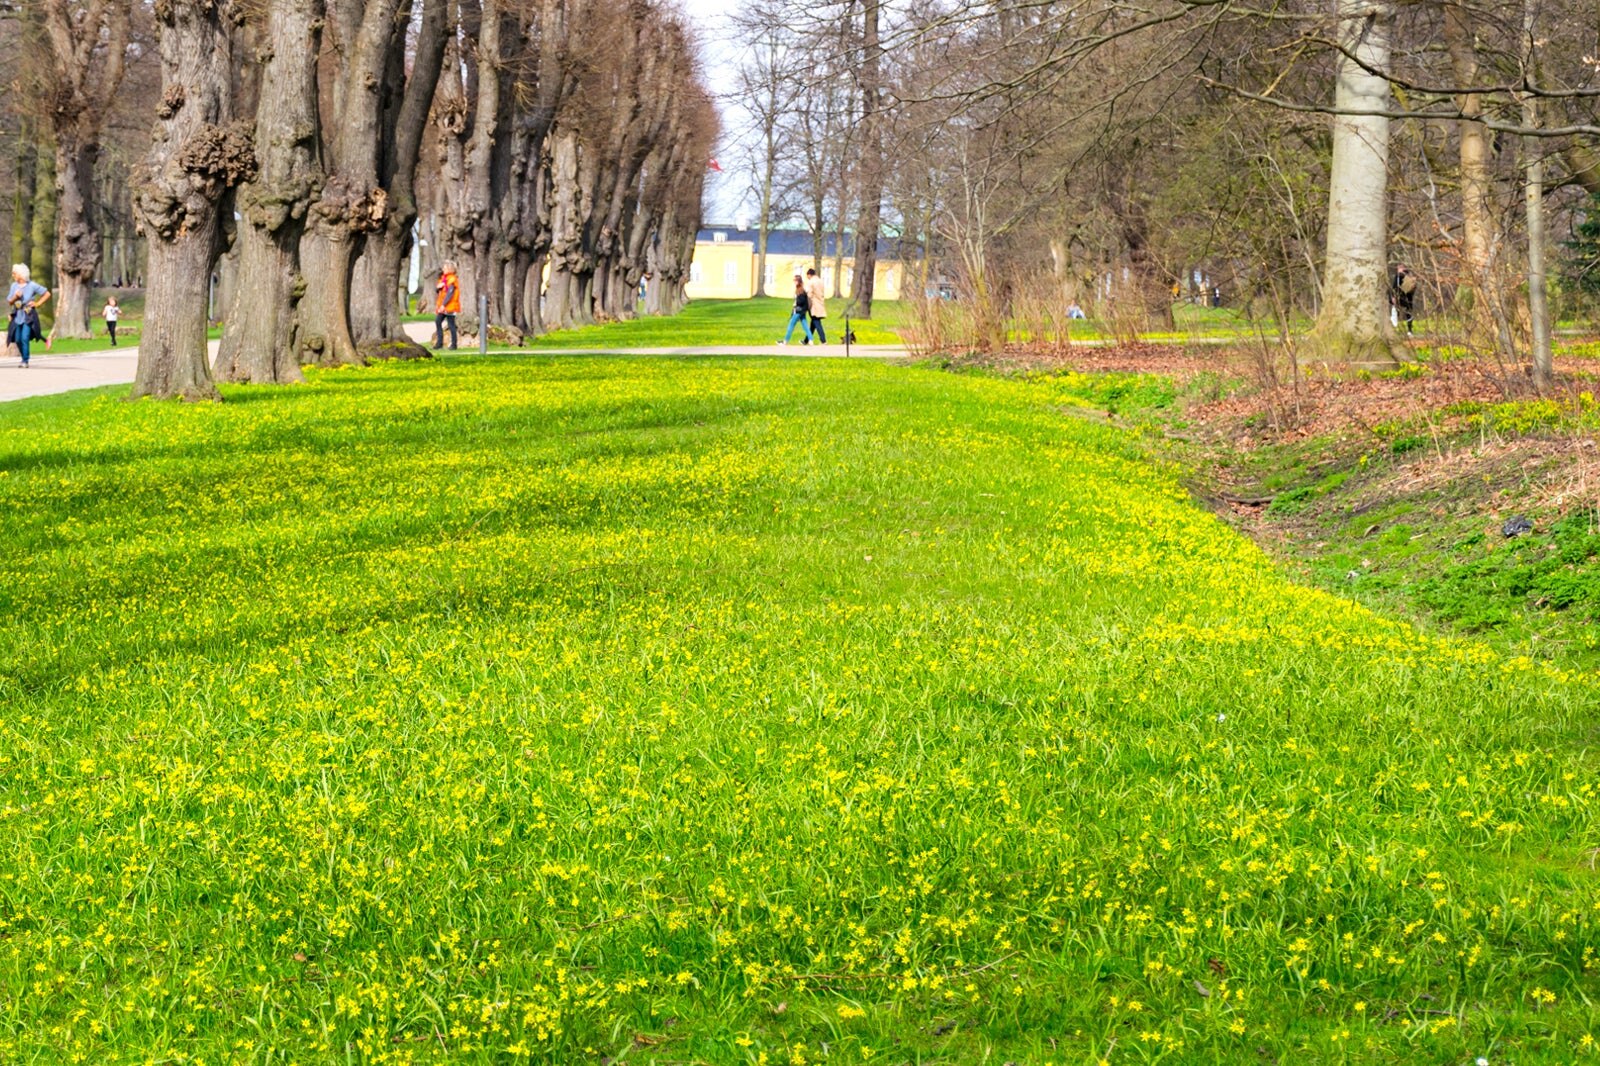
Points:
(565, 140)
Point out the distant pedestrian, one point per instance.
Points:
(799, 313)
(111, 313)
(446, 305)
(817, 306)
(1403, 296)
(26, 295)
(1074, 311)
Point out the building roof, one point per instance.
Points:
(798, 242)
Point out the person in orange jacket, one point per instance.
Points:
(446, 305)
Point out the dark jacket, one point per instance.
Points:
(802, 303)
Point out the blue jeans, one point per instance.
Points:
(23, 336)
(798, 318)
(439, 321)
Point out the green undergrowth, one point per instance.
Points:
(1347, 513)
(498, 709)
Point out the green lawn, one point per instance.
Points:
(737, 711)
(724, 322)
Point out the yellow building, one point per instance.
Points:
(724, 265)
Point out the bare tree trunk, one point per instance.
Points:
(328, 258)
(1533, 156)
(355, 203)
(1478, 283)
(261, 340)
(43, 262)
(195, 156)
(376, 281)
(77, 238)
(476, 222)
(22, 202)
(838, 256)
(869, 215)
(769, 165)
(1354, 324)
(819, 234)
(571, 261)
(88, 46)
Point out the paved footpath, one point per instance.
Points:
(48, 374)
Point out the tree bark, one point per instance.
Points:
(769, 166)
(43, 262)
(196, 155)
(353, 204)
(375, 286)
(1353, 326)
(571, 259)
(261, 340)
(870, 214)
(1478, 284)
(77, 245)
(1533, 158)
(22, 202)
(88, 49)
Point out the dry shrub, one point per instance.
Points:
(931, 325)
(1125, 315)
(1039, 314)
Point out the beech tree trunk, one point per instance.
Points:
(261, 341)
(1533, 193)
(1478, 284)
(196, 155)
(1353, 326)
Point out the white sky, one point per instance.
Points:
(718, 57)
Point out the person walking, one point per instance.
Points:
(24, 300)
(817, 306)
(799, 313)
(446, 304)
(111, 313)
(1403, 296)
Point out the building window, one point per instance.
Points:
(730, 274)
(719, 238)
(849, 275)
(696, 275)
(827, 278)
(771, 275)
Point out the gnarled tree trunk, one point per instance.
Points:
(375, 287)
(196, 155)
(354, 204)
(261, 341)
(88, 49)
(77, 237)
(567, 301)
